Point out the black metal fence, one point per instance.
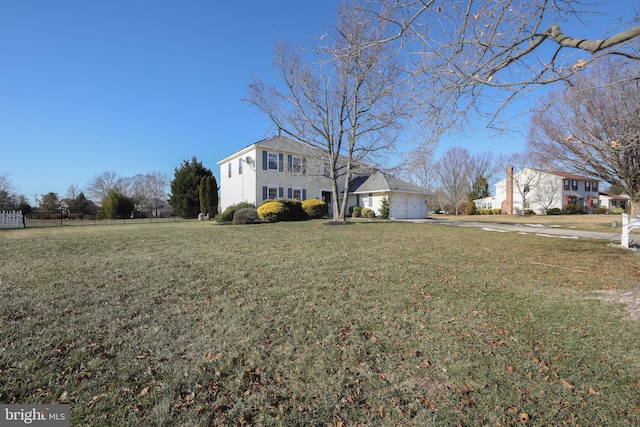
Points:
(62, 217)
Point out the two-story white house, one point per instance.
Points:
(280, 167)
(541, 190)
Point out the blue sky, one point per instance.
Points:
(139, 86)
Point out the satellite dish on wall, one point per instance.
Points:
(249, 160)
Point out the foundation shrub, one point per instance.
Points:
(470, 209)
(572, 209)
(273, 211)
(294, 210)
(227, 215)
(245, 216)
(554, 211)
(315, 208)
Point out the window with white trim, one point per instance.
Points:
(240, 166)
(296, 164)
(296, 194)
(272, 192)
(272, 161)
(229, 167)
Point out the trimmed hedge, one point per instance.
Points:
(227, 215)
(273, 211)
(245, 216)
(315, 208)
(554, 211)
(572, 209)
(294, 209)
(496, 211)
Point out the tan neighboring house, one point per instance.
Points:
(614, 201)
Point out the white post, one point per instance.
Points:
(624, 239)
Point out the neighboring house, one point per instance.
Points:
(280, 167)
(614, 201)
(541, 190)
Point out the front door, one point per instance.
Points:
(326, 197)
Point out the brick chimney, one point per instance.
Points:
(507, 204)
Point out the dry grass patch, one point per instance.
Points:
(305, 324)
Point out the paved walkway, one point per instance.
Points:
(536, 229)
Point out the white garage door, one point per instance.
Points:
(399, 204)
(416, 207)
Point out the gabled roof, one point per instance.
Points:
(280, 143)
(381, 182)
(614, 196)
(571, 176)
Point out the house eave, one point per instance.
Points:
(237, 154)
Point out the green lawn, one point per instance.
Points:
(307, 324)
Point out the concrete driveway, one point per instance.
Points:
(535, 229)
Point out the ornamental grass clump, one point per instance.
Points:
(273, 212)
(315, 208)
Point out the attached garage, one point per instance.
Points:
(405, 200)
(416, 208)
(399, 206)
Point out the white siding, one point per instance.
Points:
(238, 187)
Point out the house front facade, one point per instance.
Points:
(538, 190)
(280, 167)
(273, 168)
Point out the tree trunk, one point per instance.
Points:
(634, 205)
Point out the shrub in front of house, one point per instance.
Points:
(273, 211)
(315, 208)
(470, 209)
(529, 212)
(601, 210)
(371, 214)
(245, 216)
(572, 209)
(227, 215)
(356, 211)
(294, 209)
(617, 210)
(554, 211)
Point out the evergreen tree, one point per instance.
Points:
(384, 208)
(117, 206)
(202, 192)
(212, 196)
(50, 202)
(479, 189)
(184, 198)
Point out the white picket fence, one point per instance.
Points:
(11, 219)
(628, 224)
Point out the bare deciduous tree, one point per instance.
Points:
(350, 103)
(593, 129)
(546, 193)
(101, 184)
(527, 177)
(420, 165)
(147, 189)
(452, 175)
(478, 56)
